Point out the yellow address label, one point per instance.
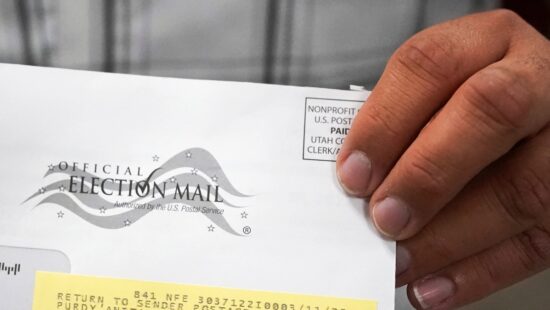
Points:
(58, 291)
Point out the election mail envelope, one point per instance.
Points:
(131, 192)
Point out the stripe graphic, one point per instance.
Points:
(198, 182)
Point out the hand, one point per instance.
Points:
(453, 144)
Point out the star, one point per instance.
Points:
(60, 214)
(102, 210)
(127, 223)
(211, 228)
(61, 188)
(50, 167)
(244, 215)
(188, 155)
(42, 190)
(156, 158)
(194, 171)
(173, 179)
(215, 178)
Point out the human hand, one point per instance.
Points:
(453, 144)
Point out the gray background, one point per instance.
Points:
(309, 43)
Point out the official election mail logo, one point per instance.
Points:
(114, 196)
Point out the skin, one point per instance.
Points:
(453, 149)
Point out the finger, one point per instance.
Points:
(418, 79)
(508, 198)
(478, 276)
(484, 119)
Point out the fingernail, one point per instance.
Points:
(354, 173)
(432, 291)
(402, 260)
(390, 216)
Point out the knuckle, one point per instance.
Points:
(533, 248)
(487, 270)
(429, 175)
(384, 117)
(505, 17)
(539, 61)
(529, 250)
(497, 100)
(433, 58)
(526, 196)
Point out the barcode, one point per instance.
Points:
(10, 270)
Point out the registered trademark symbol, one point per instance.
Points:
(247, 230)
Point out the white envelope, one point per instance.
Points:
(208, 183)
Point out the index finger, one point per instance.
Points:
(419, 78)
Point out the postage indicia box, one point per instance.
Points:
(131, 192)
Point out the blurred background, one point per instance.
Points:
(310, 42)
(321, 43)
